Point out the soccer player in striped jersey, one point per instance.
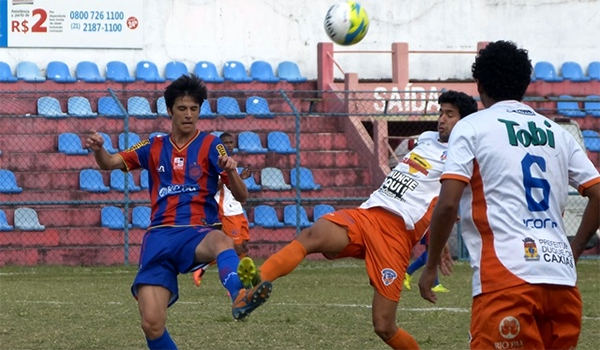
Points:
(510, 169)
(184, 233)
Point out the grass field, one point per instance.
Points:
(321, 305)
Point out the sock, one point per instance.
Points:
(437, 281)
(417, 264)
(282, 262)
(227, 263)
(164, 342)
(402, 341)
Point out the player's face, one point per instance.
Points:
(184, 115)
(228, 142)
(449, 116)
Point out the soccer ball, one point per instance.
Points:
(346, 23)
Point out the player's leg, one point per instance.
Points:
(153, 302)
(414, 266)
(384, 323)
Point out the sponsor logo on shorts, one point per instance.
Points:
(531, 251)
(509, 327)
(388, 276)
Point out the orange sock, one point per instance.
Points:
(402, 341)
(282, 262)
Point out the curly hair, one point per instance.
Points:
(503, 71)
(463, 102)
(185, 85)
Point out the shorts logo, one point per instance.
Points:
(509, 327)
(531, 252)
(178, 163)
(388, 276)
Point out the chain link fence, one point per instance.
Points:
(310, 152)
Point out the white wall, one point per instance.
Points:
(277, 30)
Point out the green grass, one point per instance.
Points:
(321, 305)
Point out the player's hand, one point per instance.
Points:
(227, 163)
(94, 141)
(426, 281)
(446, 262)
(246, 173)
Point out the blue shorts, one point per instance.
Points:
(167, 252)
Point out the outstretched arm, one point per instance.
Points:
(105, 160)
(236, 184)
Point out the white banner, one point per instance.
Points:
(72, 23)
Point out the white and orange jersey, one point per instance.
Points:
(228, 205)
(410, 188)
(518, 166)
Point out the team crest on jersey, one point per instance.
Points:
(531, 252)
(444, 156)
(416, 163)
(195, 171)
(178, 163)
(388, 276)
(509, 327)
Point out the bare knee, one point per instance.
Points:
(153, 328)
(385, 328)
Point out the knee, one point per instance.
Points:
(152, 328)
(385, 329)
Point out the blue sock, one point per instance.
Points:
(437, 281)
(417, 264)
(227, 263)
(164, 342)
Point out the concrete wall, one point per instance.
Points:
(271, 30)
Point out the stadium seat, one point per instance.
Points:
(108, 107)
(91, 180)
(108, 145)
(148, 72)
(306, 179)
(89, 72)
(290, 72)
(249, 142)
(569, 108)
(157, 133)
(140, 217)
(591, 139)
(113, 218)
(80, 107)
(250, 224)
(251, 184)
(279, 142)
(272, 179)
(593, 70)
(29, 72)
(265, 216)
(322, 209)
(4, 226)
(118, 71)
(6, 75)
(572, 71)
(26, 219)
(144, 181)
(229, 108)
(175, 69)
(161, 107)
(545, 71)
(69, 143)
(258, 107)
(235, 71)
(117, 181)
(133, 139)
(217, 133)
(207, 71)
(292, 218)
(139, 107)
(8, 182)
(263, 72)
(59, 72)
(591, 105)
(49, 107)
(206, 112)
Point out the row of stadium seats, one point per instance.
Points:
(569, 106)
(147, 71)
(571, 71)
(25, 219)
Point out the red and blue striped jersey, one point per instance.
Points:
(182, 180)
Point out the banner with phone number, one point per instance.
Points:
(72, 23)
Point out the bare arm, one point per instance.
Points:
(589, 222)
(236, 184)
(105, 160)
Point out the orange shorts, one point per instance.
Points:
(382, 240)
(236, 227)
(527, 316)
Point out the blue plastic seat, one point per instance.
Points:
(545, 71)
(263, 72)
(235, 71)
(290, 72)
(207, 71)
(175, 69)
(91, 180)
(591, 139)
(157, 133)
(322, 209)
(118, 71)
(206, 112)
(265, 216)
(593, 70)
(144, 180)
(8, 182)
(279, 142)
(113, 218)
(307, 181)
(133, 139)
(80, 107)
(249, 142)
(108, 107)
(272, 179)
(218, 134)
(569, 108)
(258, 107)
(89, 72)
(108, 145)
(59, 72)
(4, 225)
(591, 105)
(140, 217)
(572, 71)
(251, 184)
(161, 107)
(69, 143)
(6, 75)
(292, 218)
(148, 72)
(29, 72)
(139, 107)
(50, 107)
(117, 181)
(250, 224)
(26, 219)
(229, 107)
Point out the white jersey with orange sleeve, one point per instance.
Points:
(518, 165)
(228, 205)
(414, 183)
